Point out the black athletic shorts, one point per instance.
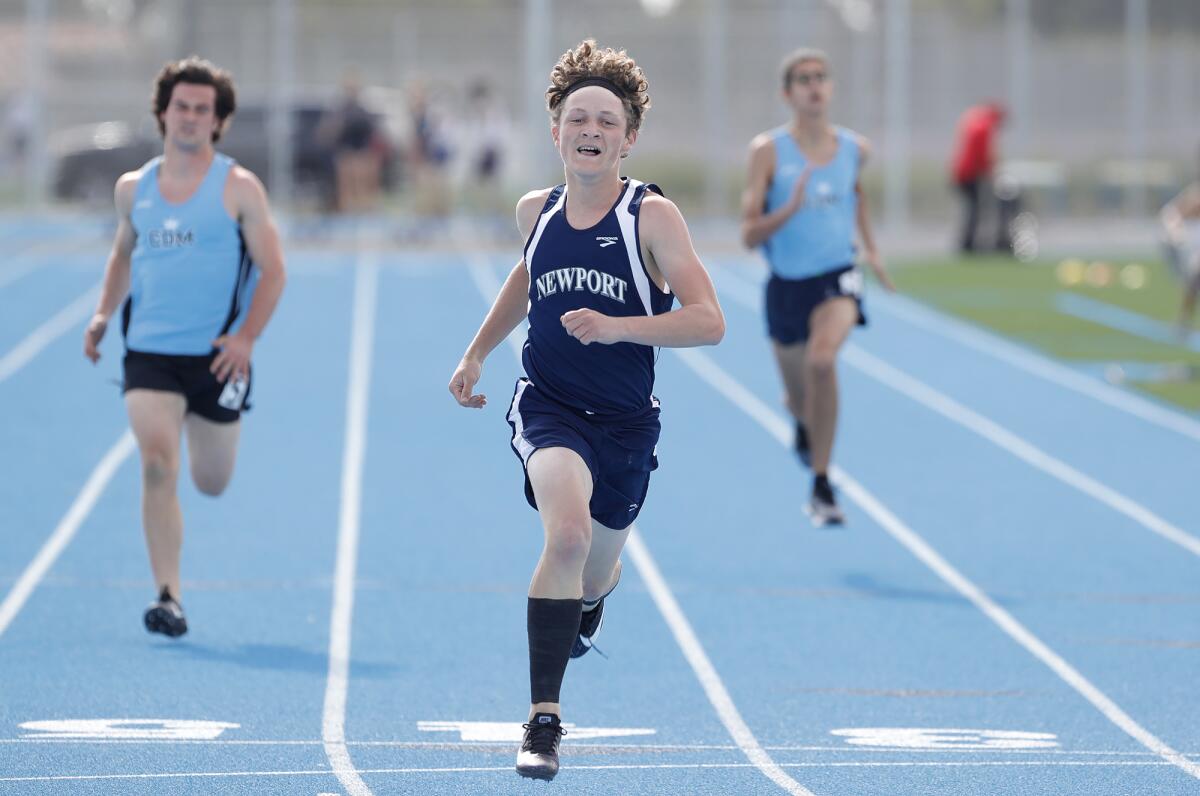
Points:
(791, 302)
(189, 376)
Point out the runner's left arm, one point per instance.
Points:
(266, 252)
(863, 220)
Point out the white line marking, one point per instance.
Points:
(30, 258)
(946, 738)
(128, 729)
(1018, 446)
(997, 347)
(1019, 357)
(485, 281)
(513, 731)
(13, 273)
(333, 720)
(610, 767)
(780, 429)
(582, 748)
(66, 529)
(996, 434)
(1121, 319)
(706, 673)
(693, 651)
(63, 321)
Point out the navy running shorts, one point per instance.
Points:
(190, 377)
(791, 302)
(620, 454)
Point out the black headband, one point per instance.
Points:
(594, 81)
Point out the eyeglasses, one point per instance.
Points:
(808, 78)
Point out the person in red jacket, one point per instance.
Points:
(974, 160)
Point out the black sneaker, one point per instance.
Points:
(801, 445)
(822, 508)
(590, 623)
(538, 757)
(165, 616)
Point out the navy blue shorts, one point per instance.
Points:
(620, 454)
(791, 302)
(189, 376)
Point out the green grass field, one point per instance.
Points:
(1018, 300)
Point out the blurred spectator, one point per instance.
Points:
(429, 154)
(489, 120)
(483, 138)
(359, 149)
(17, 127)
(973, 166)
(1181, 227)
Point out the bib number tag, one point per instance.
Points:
(234, 394)
(850, 283)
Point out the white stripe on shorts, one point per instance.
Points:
(514, 416)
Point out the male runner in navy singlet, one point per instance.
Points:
(198, 264)
(605, 257)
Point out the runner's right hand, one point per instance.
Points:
(92, 336)
(465, 376)
(796, 201)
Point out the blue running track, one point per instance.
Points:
(1013, 607)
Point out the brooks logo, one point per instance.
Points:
(607, 240)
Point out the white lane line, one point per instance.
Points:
(15, 272)
(33, 258)
(65, 532)
(611, 767)
(333, 719)
(62, 321)
(488, 285)
(993, 432)
(780, 429)
(706, 673)
(1121, 320)
(1018, 446)
(1041, 366)
(577, 747)
(693, 651)
(1030, 361)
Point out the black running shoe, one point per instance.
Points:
(801, 445)
(165, 616)
(538, 757)
(822, 508)
(590, 623)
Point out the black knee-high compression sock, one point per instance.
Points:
(552, 626)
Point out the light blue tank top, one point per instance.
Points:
(820, 236)
(191, 278)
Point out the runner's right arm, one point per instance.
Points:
(509, 309)
(1184, 207)
(757, 223)
(116, 272)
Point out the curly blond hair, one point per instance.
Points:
(589, 60)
